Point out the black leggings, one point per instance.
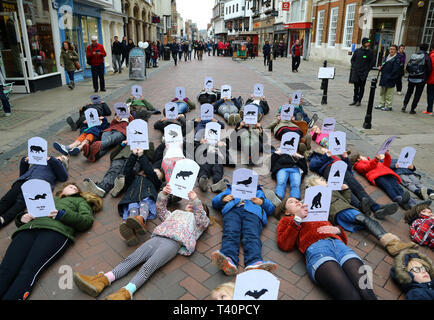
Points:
(12, 203)
(30, 252)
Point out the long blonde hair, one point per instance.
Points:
(92, 199)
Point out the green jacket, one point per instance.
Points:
(340, 201)
(77, 218)
(137, 104)
(68, 62)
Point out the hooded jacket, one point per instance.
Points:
(372, 169)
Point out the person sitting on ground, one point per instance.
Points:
(101, 107)
(300, 114)
(141, 108)
(421, 221)
(163, 123)
(185, 105)
(225, 291)
(229, 109)
(261, 103)
(178, 233)
(330, 263)
(38, 242)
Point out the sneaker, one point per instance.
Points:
(271, 195)
(353, 103)
(405, 199)
(299, 116)
(379, 107)
(72, 124)
(137, 224)
(313, 120)
(386, 210)
(427, 112)
(74, 152)
(386, 109)
(118, 186)
(231, 119)
(219, 186)
(424, 193)
(103, 90)
(224, 263)
(412, 112)
(7, 114)
(128, 234)
(399, 93)
(61, 148)
(263, 265)
(91, 186)
(365, 207)
(203, 183)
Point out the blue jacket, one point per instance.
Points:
(318, 163)
(262, 212)
(96, 130)
(420, 291)
(400, 171)
(54, 170)
(390, 72)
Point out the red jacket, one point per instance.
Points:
(220, 45)
(289, 234)
(431, 76)
(372, 169)
(120, 126)
(95, 59)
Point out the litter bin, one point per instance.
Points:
(166, 53)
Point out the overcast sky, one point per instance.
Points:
(199, 11)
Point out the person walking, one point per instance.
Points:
(68, 58)
(148, 53)
(185, 50)
(117, 55)
(430, 86)
(250, 49)
(174, 48)
(266, 50)
(362, 62)
(3, 98)
(124, 49)
(282, 48)
(180, 51)
(154, 55)
(130, 45)
(276, 50)
(95, 54)
(402, 57)
(200, 48)
(214, 48)
(296, 53)
(419, 69)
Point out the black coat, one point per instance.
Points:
(266, 49)
(117, 48)
(390, 72)
(281, 161)
(362, 62)
(263, 103)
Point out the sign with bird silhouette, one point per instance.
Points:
(92, 117)
(136, 91)
(287, 111)
(296, 98)
(38, 197)
(171, 109)
(95, 99)
(406, 157)
(386, 145)
(137, 134)
(183, 177)
(226, 91)
(122, 110)
(256, 285)
(250, 114)
(337, 142)
(180, 93)
(206, 112)
(173, 133)
(318, 199)
(328, 125)
(336, 175)
(212, 132)
(244, 184)
(258, 90)
(208, 83)
(289, 143)
(37, 151)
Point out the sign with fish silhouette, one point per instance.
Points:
(38, 197)
(136, 91)
(386, 145)
(171, 109)
(328, 125)
(336, 175)
(296, 98)
(122, 110)
(37, 151)
(212, 132)
(406, 157)
(180, 93)
(95, 99)
(318, 200)
(258, 90)
(226, 91)
(173, 133)
(337, 142)
(137, 134)
(256, 285)
(250, 114)
(208, 83)
(183, 177)
(289, 143)
(287, 111)
(206, 112)
(92, 117)
(244, 184)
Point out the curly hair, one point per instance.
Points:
(414, 212)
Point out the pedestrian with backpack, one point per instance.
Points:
(419, 68)
(430, 86)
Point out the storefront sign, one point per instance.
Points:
(285, 6)
(298, 25)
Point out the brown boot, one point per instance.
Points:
(92, 285)
(128, 234)
(121, 294)
(137, 224)
(394, 245)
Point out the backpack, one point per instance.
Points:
(416, 65)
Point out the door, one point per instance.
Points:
(383, 33)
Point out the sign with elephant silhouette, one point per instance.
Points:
(226, 91)
(173, 134)
(92, 117)
(180, 93)
(287, 111)
(406, 157)
(318, 199)
(37, 151)
(256, 285)
(244, 184)
(250, 114)
(337, 142)
(38, 197)
(122, 110)
(328, 125)
(206, 112)
(136, 91)
(183, 177)
(171, 109)
(137, 134)
(289, 143)
(212, 132)
(337, 175)
(386, 145)
(208, 83)
(258, 90)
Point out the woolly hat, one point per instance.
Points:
(364, 40)
(354, 158)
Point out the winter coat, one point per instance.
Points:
(119, 126)
(160, 124)
(95, 59)
(117, 48)
(276, 125)
(154, 52)
(362, 62)
(390, 72)
(102, 108)
(129, 47)
(218, 103)
(262, 103)
(68, 58)
(174, 47)
(340, 201)
(296, 50)
(52, 172)
(266, 49)
(75, 215)
(281, 161)
(428, 68)
(372, 169)
(431, 76)
(182, 226)
(318, 162)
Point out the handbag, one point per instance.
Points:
(77, 65)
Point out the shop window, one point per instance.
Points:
(333, 26)
(319, 28)
(349, 25)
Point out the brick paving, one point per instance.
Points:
(102, 248)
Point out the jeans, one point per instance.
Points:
(108, 140)
(116, 168)
(412, 182)
(71, 76)
(182, 107)
(294, 177)
(419, 89)
(117, 64)
(175, 58)
(390, 185)
(295, 62)
(430, 96)
(266, 59)
(241, 226)
(5, 101)
(359, 90)
(98, 72)
(399, 80)
(211, 170)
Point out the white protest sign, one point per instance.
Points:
(287, 111)
(386, 145)
(180, 93)
(289, 143)
(256, 285)
(326, 73)
(183, 177)
(258, 90)
(296, 97)
(337, 142)
(318, 199)
(95, 99)
(226, 91)
(136, 91)
(206, 111)
(172, 133)
(328, 125)
(92, 117)
(137, 134)
(406, 157)
(171, 110)
(337, 175)
(208, 83)
(250, 114)
(244, 184)
(37, 151)
(38, 197)
(212, 132)
(122, 110)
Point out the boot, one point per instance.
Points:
(137, 224)
(91, 186)
(412, 203)
(72, 85)
(371, 225)
(386, 210)
(394, 245)
(219, 186)
(365, 206)
(92, 285)
(93, 151)
(203, 184)
(118, 186)
(121, 294)
(353, 103)
(308, 141)
(128, 234)
(72, 124)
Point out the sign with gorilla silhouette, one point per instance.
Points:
(180, 93)
(92, 117)
(226, 91)
(386, 145)
(183, 177)
(318, 199)
(171, 109)
(212, 132)
(208, 83)
(244, 184)
(336, 175)
(328, 125)
(37, 151)
(95, 99)
(296, 98)
(406, 157)
(137, 134)
(337, 142)
(287, 111)
(258, 90)
(136, 91)
(38, 197)
(250, 114)
(206, 112)
(173, 133)
(256, 285)
(122, 110)
(289, 143)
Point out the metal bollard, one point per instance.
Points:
(368, 117)
(270, 63)
(324, 86)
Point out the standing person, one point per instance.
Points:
(200, 48)
(160, 49)
(362, 62)
(68, 57)
(214, 48)
(275, 49)
(296, 53)
(124, 49)
(117, 55)
(3, 98)
(402, 57)
(266, 50)
(282, 48)
(95, 54)
(219, 48)
(148, 52)
(250, 49)
(154, 54)
(419, 69)
(180, 51)
(430, 86)
(174, 48)
(128, 49)
(209, 46)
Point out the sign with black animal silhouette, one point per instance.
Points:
(122, 110)
(289, 143)
(256, 284)
(337, 175)
(258, 90)
(180, 93)
(136, 91)
(92, 117)
(173, 133)
(337, 142)
(226, 91)
(406, 157)
(318, 199)
(183, 177)
(137, 134)
(386, 145)
(328, 125)
(287, 111)
(212, 132)
(37, 151)
(244, 183)
(208, 83)
(171, 109)
(206, 112)
(250, 114)
(38, 197)
(296, 98)
(95, 99)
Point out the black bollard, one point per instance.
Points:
(368, 117)
(270, 63)
(324, 86)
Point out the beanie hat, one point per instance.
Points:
(353, 158)
(364, 40)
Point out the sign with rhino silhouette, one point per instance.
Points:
(337, 142)
(212, 132)
(122, 110)
(206, 112)
(37, 151)
(250, 114)
(406, 157)
(171, 110)
(337, 175)
(258, 90)
(38, 197)
(289, 143)
(136, 91)
(180, 93)
(318, 199)
(328, 125)
(296, 98)
(386, 145)
(92, 117)
(226, 91)
(287, 111)
(256, 285)
(137, 134)
(244, 183)
(208, 83)
(183, 177)
(173, 134)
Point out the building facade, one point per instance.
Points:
(219, 30)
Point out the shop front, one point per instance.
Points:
(281, 36)
(265, 30)
(299, 31)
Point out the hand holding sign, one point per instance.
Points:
(38, 197)
(122, 110)
(258, 90)
(37, 151)
(212, 132)
(289, 144)
(226, 92)
(406, 157)
(337, 142)
(328, 125)
(386, 145)
(244, 184)
(206, 111)
(137, 135)
(250, 114)
(208, 83)
(256, 285)
(171, 109)
(318, 200)
(337, 175)
(180, 93)
(287, 111)
(92, 117)
(183, 177)
(136, 91)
